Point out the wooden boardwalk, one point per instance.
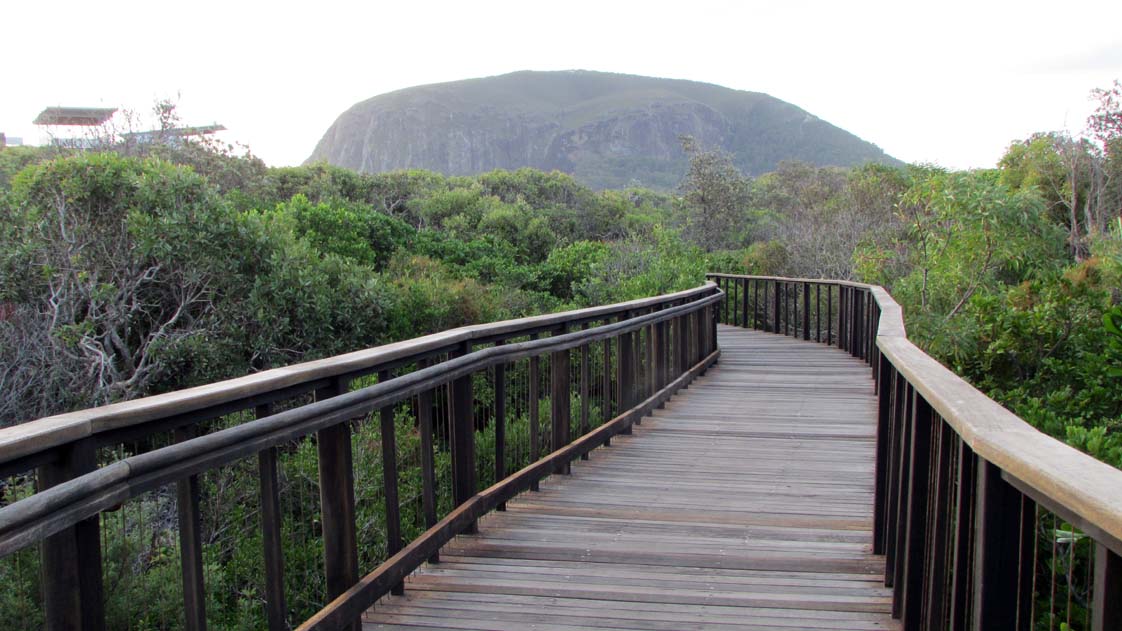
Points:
(745, 504)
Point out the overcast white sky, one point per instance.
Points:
(945, 82)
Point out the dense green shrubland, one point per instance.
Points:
(126, 276)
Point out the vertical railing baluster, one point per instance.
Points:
(682, 342)
(851, 321)
(730, 303)
(1106, 601)
(648, 365)
(535, 405)
(818, 312)
(428, 458)
(910, 588)
(191, 544)
(870, 326)
(1026, 563)
(854, 324)
(560, 414)
(463, 438)
(723, 285)
(777, 307)
(606, 381)
(961, 565)
(738, 285)
(996, 547)
(806, 311)
(884, 418)
(829, 314)
(337, 500)
(636, 370)
(712, 330)
(697, 335)
(744, 304)
(936, 611)
(500, 422)
(389, 481)
(585, 378)
(625, 374)
(71, 558)
(900, 411)
(756, 324)
(276, 612)
(788, 317)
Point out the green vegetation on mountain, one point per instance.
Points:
(608, 130)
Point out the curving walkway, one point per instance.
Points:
(745, 504)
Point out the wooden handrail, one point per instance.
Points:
(42, 435)
(1013, 466)
(1061, 476)
(30, 520)
(63, 515)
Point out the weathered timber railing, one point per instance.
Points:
(964, 488)
(630, 357)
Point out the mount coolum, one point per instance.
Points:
(608, 130)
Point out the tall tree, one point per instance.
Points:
(715, 194)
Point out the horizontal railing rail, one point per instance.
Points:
(46, 440)
(963, 486)
(648, 349)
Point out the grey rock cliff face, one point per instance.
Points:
(608, 130)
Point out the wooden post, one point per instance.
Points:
(684, 336)
(648, 359)
(884, 418)
(713, 332)
(818, 312)
(428, 461)
(625, 374)
(71, 558)
(756, 305)
(500, 422)
(829, 314)
(1026, 563)
(276, 611)
(606, 382)
(337, 501)
(776, 322)
(661, 367)
(728, 299)
(585, 389)
(389, 481)
(463, 438)
(940, 528)
(735, 301)
(909, 587)
(961, 572)
(901, 409)
(863, 322)
(535, 406)
(1106, 602)
(996, 547)
(744, 305)
(191, 544)
(806, 311)
(791, 309)
(700, 335)
(559, 403)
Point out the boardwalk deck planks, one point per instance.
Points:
(746, 503)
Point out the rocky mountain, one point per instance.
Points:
(608, 130)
